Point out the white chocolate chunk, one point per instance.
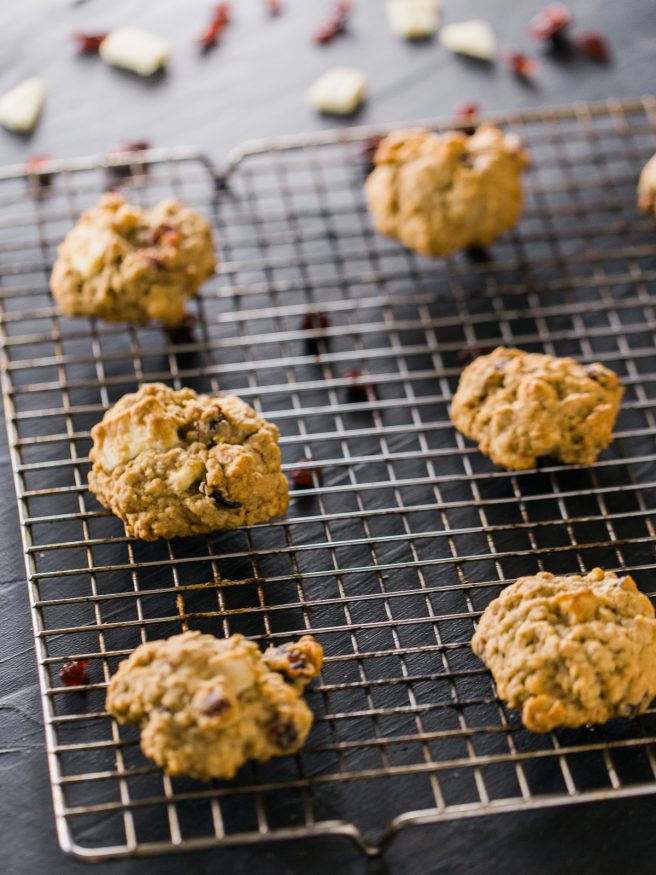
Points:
(20, 108)
(340, 91)
(474, 38)
(413, 19)
(134, 49)
(182, 478)
(90, 248)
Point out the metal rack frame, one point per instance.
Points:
(407, 535)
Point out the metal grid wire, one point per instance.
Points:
(390, 560)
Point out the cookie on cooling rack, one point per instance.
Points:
(206, 705)
(174, 463)
(122, 263)
(441, 192)
(647, 187)
(520, 406)
(570, 650)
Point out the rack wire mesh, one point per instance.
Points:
(392, 555)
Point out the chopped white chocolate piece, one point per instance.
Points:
(474, 38)
(134, 49)
(20, 108)
(339, 91)
(413, 19)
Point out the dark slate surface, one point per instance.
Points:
(254, 86)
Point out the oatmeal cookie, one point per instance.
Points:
(125, 264)
(206, 705)
(570, 650)
(520, 406)
(441, 192)
(174, 463)
(647, 187)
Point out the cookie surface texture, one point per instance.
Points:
(570, 650)
(173, 463)
(520, 406)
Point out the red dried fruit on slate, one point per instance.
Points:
(360, 382)
(218, 23)
(88, 43)
(333, 25)
(315, 321)
(38, 181)
(551, 23)
(119, 172)
(274, 7)
(466, 112)
(302, 477)
(593, 45)
(467, 355)
(74, 673)
(520, 64)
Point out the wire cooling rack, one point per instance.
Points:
(393, 553)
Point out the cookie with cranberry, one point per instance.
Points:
(570, 650)
(520, 406)
(438, 193)
(122, 263)
(173, 463)
(206, 705)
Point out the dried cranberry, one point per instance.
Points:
(218, 23)
(366, 152)
(74, 673)
(359, 383)
(215, 703)
(592, 45)
(204, 429)
(219, 498)
(520, 64)
(302, 477)
(38, 181)
(551, 23)
(333, 25)
(467, 355)
(314, 321)
(273, 7)
(156, 262)
(283, 734)
(465, 116)
(88, 43)
(121, 171)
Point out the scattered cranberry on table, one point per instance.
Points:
(119, 172)
(304, 478)
(74, 673)
(218, 23)
(38, 181)
(335, 23)
(88, 43)
(520, 64)
(593, 45)
(551, 23)
(466, 116)
(360, 383)
(273, 7)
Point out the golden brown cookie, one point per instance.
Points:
(441, 192)
(174, 463)
(206, 705)
(647, 187)
(520, 406)
(571, 650)
(125, 264)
